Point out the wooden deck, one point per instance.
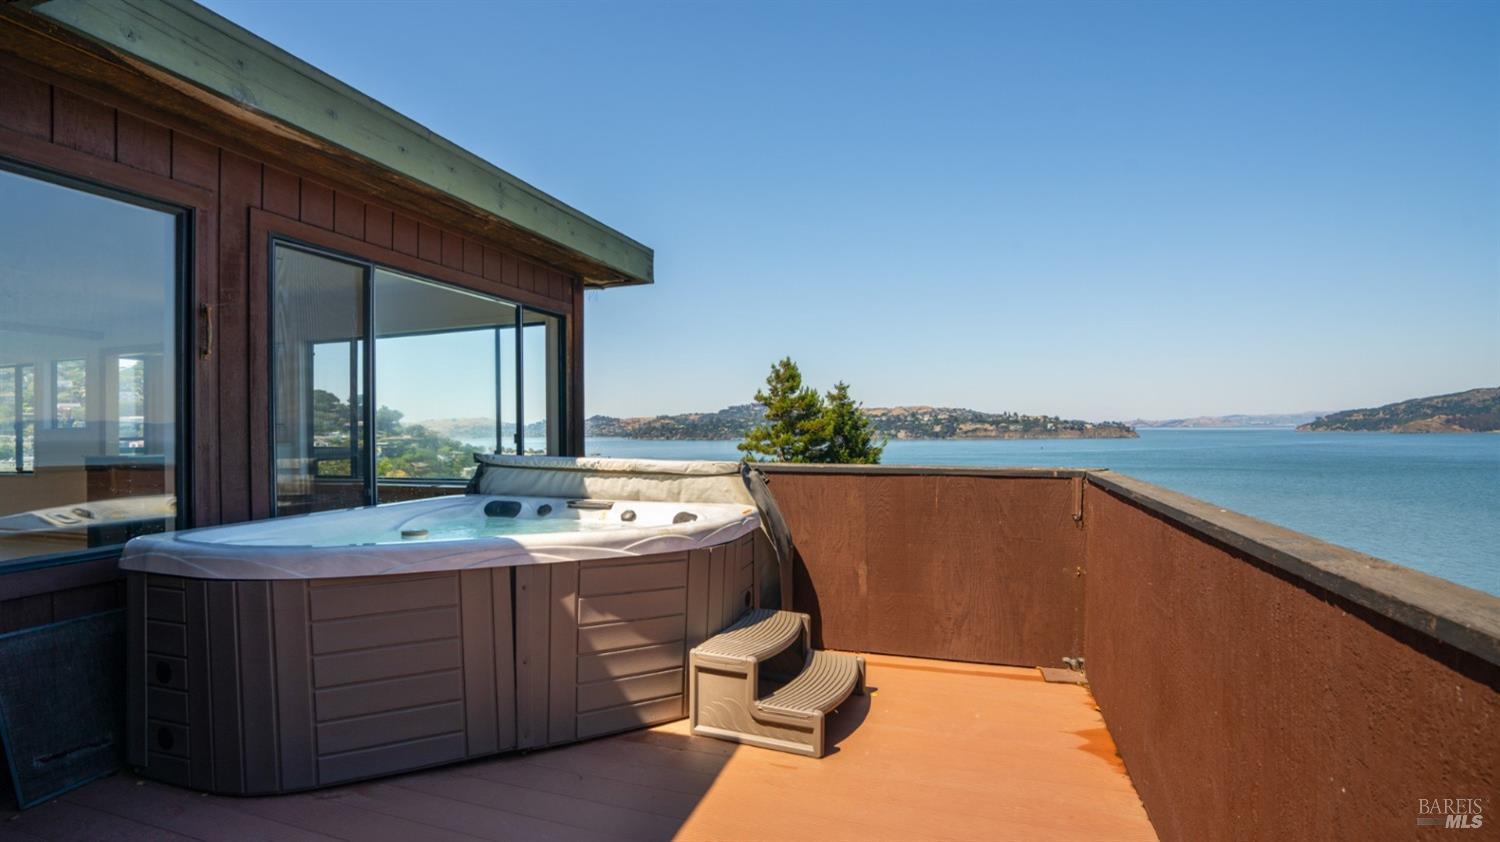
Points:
(940, 750)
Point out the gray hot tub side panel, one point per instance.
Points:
(257, 687)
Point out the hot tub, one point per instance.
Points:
(444, 533)
(313, 650)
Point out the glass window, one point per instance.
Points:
(454, 373)
(318, 349)
(88, 396)
(542, 400)
(444, 377)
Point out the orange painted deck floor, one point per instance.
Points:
(940, 751)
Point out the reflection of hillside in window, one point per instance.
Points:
(332, 420)
(17, 419)
(445, 377)
(131, 406)
(69, 394)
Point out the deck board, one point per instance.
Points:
(939, 751)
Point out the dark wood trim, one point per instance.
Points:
(58, 577)
(1464, 618)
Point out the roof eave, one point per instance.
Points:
(197, 46)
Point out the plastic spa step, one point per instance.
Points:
(828, 679)
(735, 693)
(760, 633)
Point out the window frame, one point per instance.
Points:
(182, 343)
(371, 478)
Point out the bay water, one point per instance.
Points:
(1431, 502)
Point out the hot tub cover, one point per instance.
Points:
(291, 547)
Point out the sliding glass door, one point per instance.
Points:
(318, 381)
(450, 372)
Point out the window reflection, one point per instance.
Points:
(88, 391)
(448, 380)
(318, 374)
(70, 392)
(17, 418)
(445, 376)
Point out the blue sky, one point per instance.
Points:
(1099, 210)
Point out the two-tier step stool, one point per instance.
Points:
(760, 682)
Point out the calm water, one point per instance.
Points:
(1429, 502)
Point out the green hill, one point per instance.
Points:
(897, 422)
(1474, 411)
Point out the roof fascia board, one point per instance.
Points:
(199, 46)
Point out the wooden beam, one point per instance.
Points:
(229, 85)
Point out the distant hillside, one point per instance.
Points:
(474, 429)
(1211, 421)
(730, 423)
(898, 422)
(1474, 411)
(928, 422)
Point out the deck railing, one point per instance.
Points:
(1258, 683)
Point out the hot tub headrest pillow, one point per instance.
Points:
(651, 480)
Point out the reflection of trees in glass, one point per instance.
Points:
(17, 395)
(69, 378)
(8, 419)
(131, 392)
(406, 451)
(330, 415)
(388, 421)
(331, 430)
(413, 451)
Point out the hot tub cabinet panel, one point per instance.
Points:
(268, 686)
(601, 646)
(254, 687)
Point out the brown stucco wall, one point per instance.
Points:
(985, 568)
(1249, 704)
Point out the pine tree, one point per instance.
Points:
(847, 431)
(794, 419)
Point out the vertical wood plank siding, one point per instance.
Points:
(44, 122)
